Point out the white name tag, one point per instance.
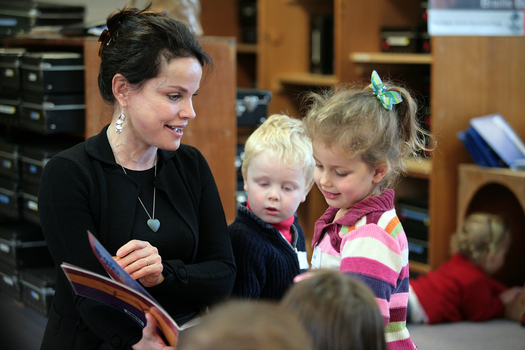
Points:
(316, 258)
(303, 260)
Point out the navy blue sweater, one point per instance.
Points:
(266, 262)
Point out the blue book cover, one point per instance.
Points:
(471, 148)
(500, 137)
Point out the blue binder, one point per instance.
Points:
(491, 142)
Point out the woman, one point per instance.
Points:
(148, 199)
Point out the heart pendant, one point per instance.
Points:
(154, 224)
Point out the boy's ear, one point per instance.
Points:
(306, 192)
(380, 172)
(245, 185)
(120, 87)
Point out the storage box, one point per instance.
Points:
(38, 287)
(9, 159)
(58, 15)
(10, 110)
(45, 73)
(10, 60)
(10, 198)
(413, 214)
(322, 44)
(22, 244)
(418, 250)
(29, 205)
(51, 114)
(399, 40)
(17, 17)
(34, 156)
(251, 106)
(10, 281)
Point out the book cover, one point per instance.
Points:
(500, 137)
(122, 292)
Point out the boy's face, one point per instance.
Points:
(274, 190)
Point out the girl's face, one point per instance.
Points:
(342, 179)
(158, 112)
(274, 190)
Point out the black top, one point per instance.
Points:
(83, 189)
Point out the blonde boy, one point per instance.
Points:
(268, 243)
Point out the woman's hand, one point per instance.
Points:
(142, 261)
(151, 340)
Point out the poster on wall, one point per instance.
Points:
(476, 17)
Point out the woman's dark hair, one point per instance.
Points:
(137, 42)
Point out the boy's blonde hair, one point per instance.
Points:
(286, 137)
(479, 236)
(355, 121)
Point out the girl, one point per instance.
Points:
(463, 287)
(360, 139)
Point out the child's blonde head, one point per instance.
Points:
(481, 236)
(286, 138)
(356, 122)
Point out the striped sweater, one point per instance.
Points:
(370, 243)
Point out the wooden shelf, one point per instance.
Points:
(419, 267)
(419, 168)
(244, 48)
(390, 58)
(307, 79)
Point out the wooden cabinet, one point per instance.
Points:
(213, 132)
(222, 18)
(469, 77)
(502, 192)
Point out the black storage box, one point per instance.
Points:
(34, 156)
(22, 244)
(17, 17)
(10, 281)
(399, 40)
(10, 82)
(51, 114)
(9, 159)
(10, 198)
(30, 203)
(10, 110)
(322, 44)
(248, 20)
(251, 106)
(58, 15)
(38, 287)
(418, 250)
(45, 73)
(413, 214)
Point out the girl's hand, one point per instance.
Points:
(151, 340)
(510, 294)
(142, 261)
(303, 276)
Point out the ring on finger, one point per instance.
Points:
(147, 261)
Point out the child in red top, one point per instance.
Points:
(462, 288)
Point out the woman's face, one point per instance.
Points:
(158, 112)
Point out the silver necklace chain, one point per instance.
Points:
(124, 170)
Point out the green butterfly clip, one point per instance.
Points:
(387, 98)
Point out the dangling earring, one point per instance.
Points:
(120, 120)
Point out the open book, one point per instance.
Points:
(122, 292)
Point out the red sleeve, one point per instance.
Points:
(481, 300)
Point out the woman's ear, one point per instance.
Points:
(120, 86)
(380, 172)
